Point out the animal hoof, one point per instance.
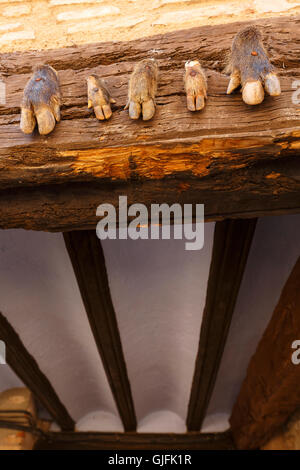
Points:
(195, 85)
(41, 101)
(99, 97)
(253, 93)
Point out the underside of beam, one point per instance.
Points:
(239, 161)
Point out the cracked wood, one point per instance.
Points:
(239, 161)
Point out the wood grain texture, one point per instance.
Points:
(134, 441)
(239, 161)
(27, 369)
(270, 393)
(88, 262)
(232, 242)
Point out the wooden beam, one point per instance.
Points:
(136, 441)
(270, 393)
(88, 262)
(27, 369)
(241, 162)
(73, 206)
(232, 242)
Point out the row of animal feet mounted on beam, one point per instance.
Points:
(250, 69)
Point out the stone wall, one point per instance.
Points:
(42, 24)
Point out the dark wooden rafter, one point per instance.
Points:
(232, 242)
(88, 262)
(134, 441)
(242, 162)
(27, 369)
(270, 393)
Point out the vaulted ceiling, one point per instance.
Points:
(158, 291)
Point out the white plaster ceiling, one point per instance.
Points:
(41, 300)
(158, 290)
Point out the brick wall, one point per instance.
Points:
(40, 24)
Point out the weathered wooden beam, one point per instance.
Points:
(232, 242)
(270, 393)
(239, 161)
(88, 262)
(27, 369)
(136, 441)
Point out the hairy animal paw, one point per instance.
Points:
(251, 67)
(41, 101)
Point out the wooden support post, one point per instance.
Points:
(270, 393)
(27, 369)
(88, 262)
(232, 241)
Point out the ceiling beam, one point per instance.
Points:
(88, 262)
(233, 161)
(270, 393)
(135, 441)
(244, 193)
(232, 242)
(27, 369)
